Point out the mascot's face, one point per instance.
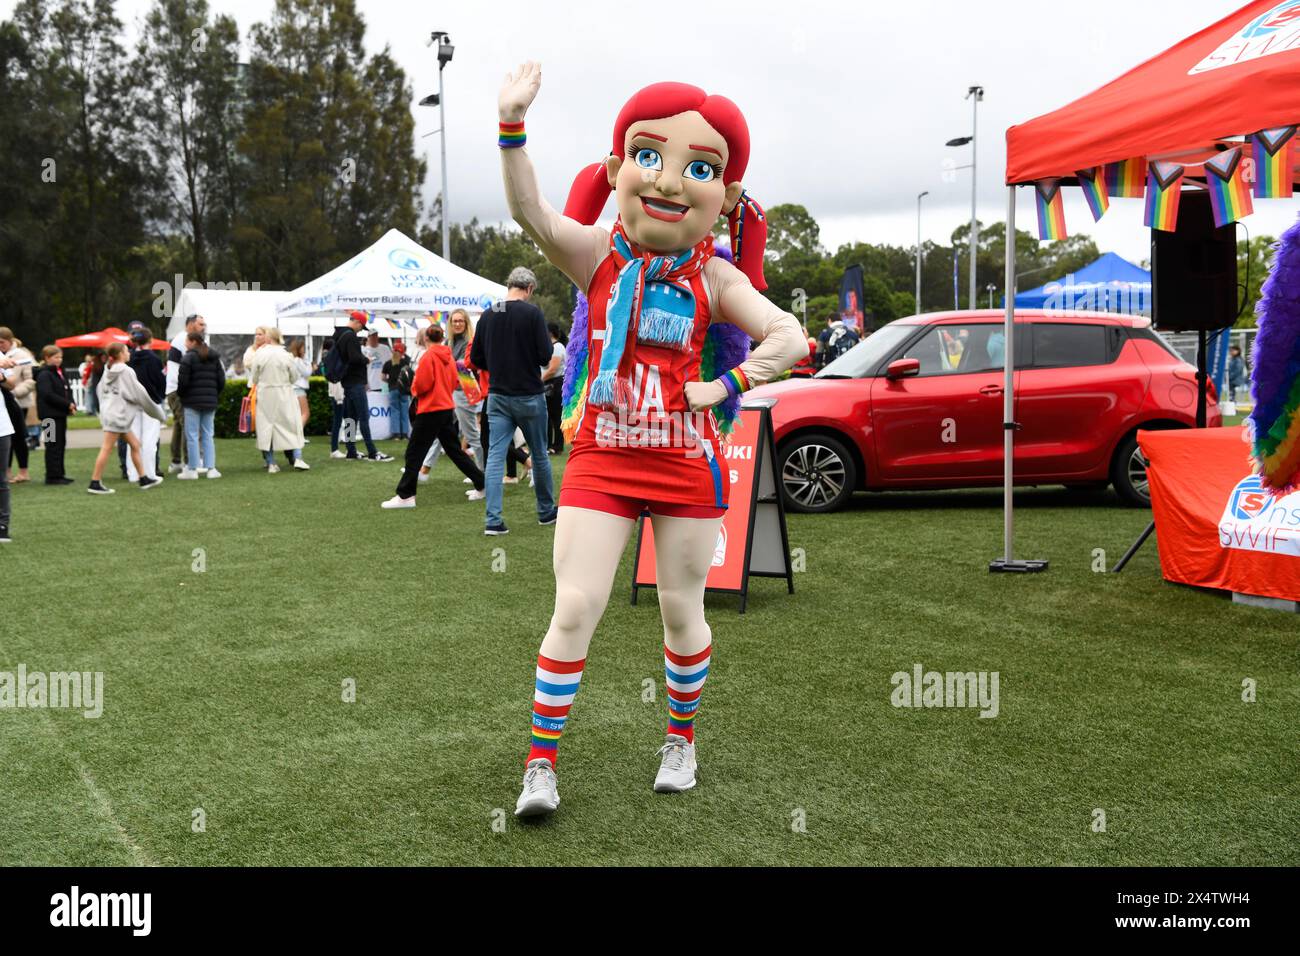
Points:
(668, 183)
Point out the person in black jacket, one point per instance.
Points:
(148, 368)
(356, 404)
(54, 405)
(199, 382)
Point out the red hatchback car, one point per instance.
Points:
(918, 404)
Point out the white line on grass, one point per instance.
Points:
(101, 805)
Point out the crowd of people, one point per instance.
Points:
(486, 396)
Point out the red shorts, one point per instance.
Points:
(627, 507)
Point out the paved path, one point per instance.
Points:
(94, 437)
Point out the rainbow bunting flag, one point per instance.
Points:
(1225, 178)
(1051, 209)
(1271, 149)
(1127, 178)
(1164, 190)
(1093, 183)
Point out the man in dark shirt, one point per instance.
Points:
(512, 345)
(356, 403)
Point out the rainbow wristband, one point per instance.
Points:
(735, 382)
(511, 136)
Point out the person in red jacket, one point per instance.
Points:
(434, 419)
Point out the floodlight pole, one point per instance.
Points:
(919, 197)
(442, 122)
(975, 93)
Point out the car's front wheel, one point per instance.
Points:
(817, 474)
(1128, 473)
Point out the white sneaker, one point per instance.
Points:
(540, 795)
(466, 481)
(475, 495)
(336, 453)
(174, 467)
(300, 465)
(677, 770)
(201, 471)
(213, 473)
(187, 475)
(424, 477)
(273, 469)
(398, 502)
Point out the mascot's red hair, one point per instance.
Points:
(591, 187)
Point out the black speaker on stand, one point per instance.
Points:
(1193, 289)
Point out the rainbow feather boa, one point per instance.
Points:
(1274, 424)
(725, 347)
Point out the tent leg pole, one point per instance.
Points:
(1008, 562)
(1008, 386)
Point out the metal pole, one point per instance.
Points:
(919, 197)
(974, 185)
(1008, 385)
(442, 121)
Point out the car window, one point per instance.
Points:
(959, 349)
(866, 355)
(1060, 345)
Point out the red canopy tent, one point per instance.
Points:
(1232, 79)
(103, 339)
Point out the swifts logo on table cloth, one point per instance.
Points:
(1257, 520)
(1275, 32)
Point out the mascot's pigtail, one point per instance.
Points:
(1275, 373)
(748, 226)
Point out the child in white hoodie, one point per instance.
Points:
(121, 397)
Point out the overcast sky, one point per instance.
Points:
(849, 103)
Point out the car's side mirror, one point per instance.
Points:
(903, 368)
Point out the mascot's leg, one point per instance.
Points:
(683, 553)
(588, 545)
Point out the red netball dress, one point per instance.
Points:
(659, 451)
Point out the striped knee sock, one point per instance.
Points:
(684, 675)
(557, 685)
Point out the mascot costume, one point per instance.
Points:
(653, 382)
(1274, 423)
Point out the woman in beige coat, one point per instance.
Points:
(272, 372)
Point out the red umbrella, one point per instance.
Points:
(103, 339)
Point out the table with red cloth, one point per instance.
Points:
(1216, 527)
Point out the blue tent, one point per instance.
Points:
(1111, 284)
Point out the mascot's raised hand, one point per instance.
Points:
(518, 91)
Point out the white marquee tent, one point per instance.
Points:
(396, 279)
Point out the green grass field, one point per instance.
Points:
(223, 689)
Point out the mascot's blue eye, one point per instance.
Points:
(649, 159)
(700, 171)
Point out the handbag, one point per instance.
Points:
(246, 411)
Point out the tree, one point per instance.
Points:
(792, 231)
(80, 170)
(1254, 262)
(327, 146)
(188, 64)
